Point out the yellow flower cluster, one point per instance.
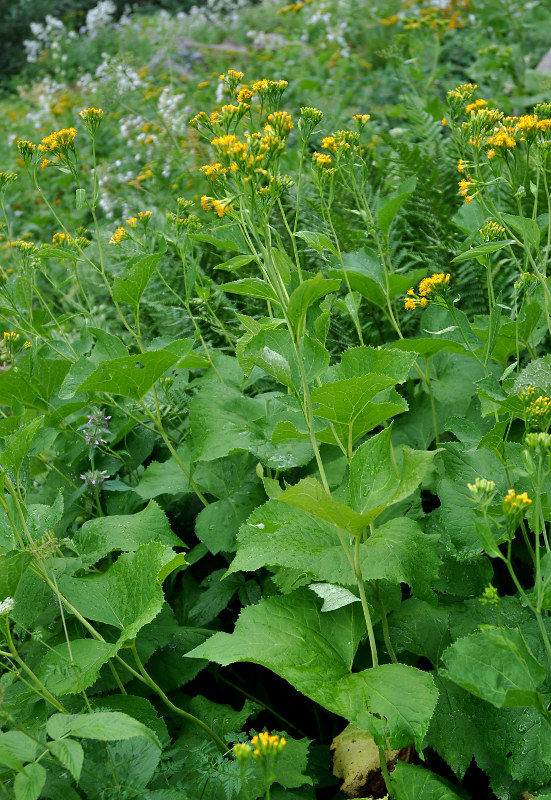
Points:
(59, 239)
(58, 141)
(244, 94)
(265, 743)
(10, 336)
(500, 142)
(92, 117)
(537, 409)
(434, 285)
(514, 502)
(361, 120)
(322, 160)
(118, 236)
(214, 171)
(211, 204)
(463, 92)
(293, 7)
(261, 746)
(279, 124)
(480, 103)
(465, 186)
(491, 231)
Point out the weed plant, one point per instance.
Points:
(275, 406)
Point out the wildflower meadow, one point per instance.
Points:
(275, 400)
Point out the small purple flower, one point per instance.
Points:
(97, 425)
(94, 477)
(98, 418)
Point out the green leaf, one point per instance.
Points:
(70, 754)
(482, 250)
(80, 199)
(318, 241)
(225, 237)
(280, 535)
(404, 698)
(234, 481)
(18, 445)
(306, 294)
(17, 746)
(359, 361)
(224, 421)
(12, 567)
(390, 206)
(274, 352)
(130, 288)
(314, 652)
(235, 263)
(427, 347)
(417, 783)
(70, 671)
(126, 533)
(309, 495)
(47, 251)
(133, 376)
(105, 726)
(28, 784)
(128, 595)
(528, 228)
(537, 374)
(165, 477)
(333, 596)
(498, 666)
(251, 287)
(420, 628)
(381, 476)
(348, 405)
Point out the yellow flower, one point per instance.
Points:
(118, 236)
(58, 141)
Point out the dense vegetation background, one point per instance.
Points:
(274, 388)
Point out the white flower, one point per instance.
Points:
(7, 605)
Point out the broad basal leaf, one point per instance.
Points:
(314, 652)
(277, 534)
(128, 595)
(133, 376)
(498, 666)
(127, 533)
(381, 475)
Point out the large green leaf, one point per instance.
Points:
(28, 784)
(128, 595)
(18, 445)
(416, 783)
(70, 754)
(105, 726)
(233, 480)
(252, 287)
(306, 294)
(314, 652)
(420, 628)
(389, 206)
(274, 352)
(127, 533)
(310, 496)
(278, 534)
(133, 376)
(224, 421)
(496, 665)
(381, 475)
(348, 405)
(165, 477)
(130, 288)
(71, 670)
